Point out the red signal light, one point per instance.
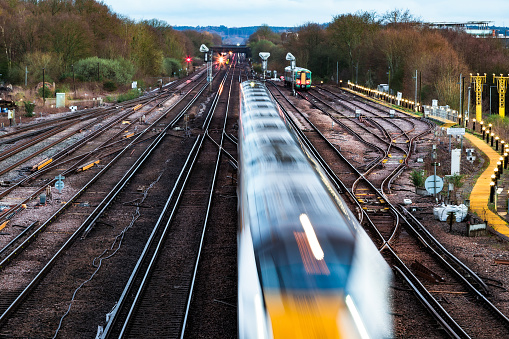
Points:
(188, 59)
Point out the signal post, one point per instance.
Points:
(478, 81)
(502, 89)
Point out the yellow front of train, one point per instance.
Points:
(336, 295)
(311, 316)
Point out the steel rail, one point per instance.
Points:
(445, 253)
(19, 236)
(86, 225)
(181, 181)
(114, 316)
(209, 203)
(57, 157)
(92, 218)
(453, 329)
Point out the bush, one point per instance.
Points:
(417, 177)
(120, 71)
(63, 88)
(109, 86)
(46, 91)
(29, 109)
(170, 66)
(131, 94)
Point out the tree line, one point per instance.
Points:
(371, 49)
(86, 39)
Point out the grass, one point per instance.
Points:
(129, 95)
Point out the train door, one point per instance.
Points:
(303, 79)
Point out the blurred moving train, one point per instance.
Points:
(300, 76)
(306, 268)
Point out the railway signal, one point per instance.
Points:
(502, 89)
(59, 184)
(188, 60)
(478, 80)
(264, 56)
(205, 50)
(291, 58)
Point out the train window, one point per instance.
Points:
(278, 140)
(284, 266)
(263, 126)
(264, 159)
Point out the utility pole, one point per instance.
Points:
(389, 82)
(205, 50)
(337, 72)
(462, 78)
(416, 78)
(264, 56)
(43, 89)
(26, 76)
(73, 84)
(291, 58)
(468, 104)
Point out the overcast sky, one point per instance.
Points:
(236, 13)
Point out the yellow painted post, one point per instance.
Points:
(478, 80)
(502, 89)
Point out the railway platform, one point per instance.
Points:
(480, 195)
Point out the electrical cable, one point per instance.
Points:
(118, 240)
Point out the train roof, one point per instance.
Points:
(296, 69)
(283, 199)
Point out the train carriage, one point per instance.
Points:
(306, 268)
(301, 77)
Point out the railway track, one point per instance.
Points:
(86, 281)
(181, 229)
(394, 232)
(80, 206)
(75, 158)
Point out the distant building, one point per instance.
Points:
(480, 29)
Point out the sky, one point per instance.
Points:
(293, 13)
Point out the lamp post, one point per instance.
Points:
(389, 81)
(73, 84)
(43, 89)
(462, 78)
(416, 78)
